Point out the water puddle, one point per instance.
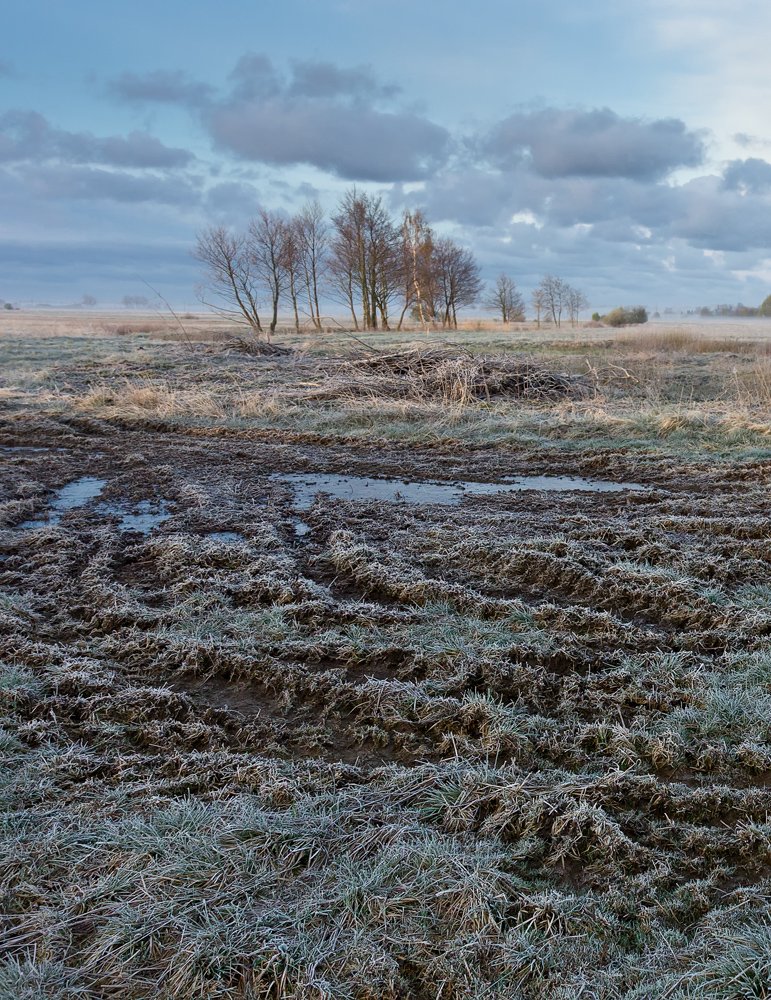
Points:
(142, 517)
(307, 487)
(23, 447)
(229, 537)
(301, 529)
(73, 495)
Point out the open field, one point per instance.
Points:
(261, 741)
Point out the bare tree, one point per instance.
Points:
(555, 293)
(134, 301)
(346, 260)
(267, 244)
(418, 248)
(384, 261)
(576, 302)
(457, 277)
(230, 285)
(291, 262)
(504, 298)
(312, 238)
(365, 257)
(88, 301)
(538, 302)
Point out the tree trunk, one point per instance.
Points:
(293, 296)
(317, 317)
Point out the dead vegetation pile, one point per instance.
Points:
(448, 374)
(514, 748)
(256, 348)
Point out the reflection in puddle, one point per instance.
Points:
(141, 517)
(306, 488)
(226, 536)
(69, 497)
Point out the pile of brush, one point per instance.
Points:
(450, 374)
(256, 348)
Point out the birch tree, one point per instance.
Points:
(417, 250)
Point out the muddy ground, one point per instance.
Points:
(517, 746)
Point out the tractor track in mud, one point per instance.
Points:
(555, 671)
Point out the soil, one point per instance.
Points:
(556, 658)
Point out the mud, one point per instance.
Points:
(579, 678)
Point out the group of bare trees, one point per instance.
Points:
(362, 257)
(376, 266)
(274, 259)
(555, 297)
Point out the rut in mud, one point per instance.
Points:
(517, 741)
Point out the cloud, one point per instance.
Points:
(27, 136)
(728, 213)
(325, 80)
(61, 270)
(254, 78)
(65, 182)
(355, 143)
(160, 87)
(597, 143)
(231, 201)
(751, 176)
(339, 120)
(327, 117)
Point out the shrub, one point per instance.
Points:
(626, 317)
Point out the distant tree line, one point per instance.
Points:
(379, 268)
(764, 309)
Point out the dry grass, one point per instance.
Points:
(515, 748)
(686, 341)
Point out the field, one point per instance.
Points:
(263, 739)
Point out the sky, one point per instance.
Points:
(624, 147)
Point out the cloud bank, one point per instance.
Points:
(578, 190)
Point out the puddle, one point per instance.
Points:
(226, 536)
(23, 447)
(307, 487)
(142, 517)
(73, 495)
(301, 529)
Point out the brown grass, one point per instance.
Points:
(515, 748)
(685, 341)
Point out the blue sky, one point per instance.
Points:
(624, 147)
